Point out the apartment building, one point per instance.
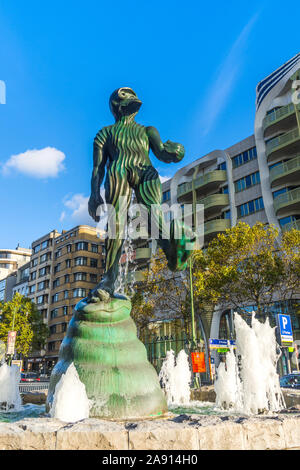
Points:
(10, 261)
(40, 272)
(78, 263)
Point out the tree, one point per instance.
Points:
(248, 266)
(162, 294)
(22, 316)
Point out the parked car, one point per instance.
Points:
(290, 381)
(29, 377)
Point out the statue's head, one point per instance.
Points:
(124, 102)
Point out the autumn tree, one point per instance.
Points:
(22, 316)
(248, 266)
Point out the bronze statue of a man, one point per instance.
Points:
(123, 149)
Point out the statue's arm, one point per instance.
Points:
(167, 152)
(99, 162)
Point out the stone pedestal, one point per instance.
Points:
(112, 363)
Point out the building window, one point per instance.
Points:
(81, 246)
(166, 195)
(250, 207)
(247, 181)
(65, 310)
(68, 263)
(40, 299)
(55, 298)
(93, 263)
(58, 253)
(57, 268)
(222, 166)
(45, 257)
(81, 261)
(33, 276)
(69, 248)
(56, 283)
(94, 248)
(67, 278)
(79, 277)
(66, 294)
(36, 249)
(244, 157)
(42, 285)
(79, 292)
(64, 327)
(52, 329)
(51, 346)
(34, 262)
(93, 277)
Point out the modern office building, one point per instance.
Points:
(256, 179)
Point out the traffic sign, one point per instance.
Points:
(221, 343)
(285, 328)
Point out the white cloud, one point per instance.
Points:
(44, 163)
(164, 178)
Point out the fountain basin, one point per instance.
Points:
(182, 432)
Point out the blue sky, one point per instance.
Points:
(195, 66)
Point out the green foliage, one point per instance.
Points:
(248, 265)
(21, 315)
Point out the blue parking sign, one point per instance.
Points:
(285, 328)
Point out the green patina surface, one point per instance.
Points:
(112, 363)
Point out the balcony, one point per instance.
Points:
(203, 183)
(142, 253)
(214, 203)
(213, 227)
(291, 225)
(286, 173)
(281, 119)
(287, 202)
(284, 145)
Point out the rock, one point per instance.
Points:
(36, 398)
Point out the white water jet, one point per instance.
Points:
(175, 376)
(10, 398)
(70, 401)
(253, 386)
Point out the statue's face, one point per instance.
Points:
(124, 102)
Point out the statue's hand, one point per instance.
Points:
(94, 203)
(175, 150)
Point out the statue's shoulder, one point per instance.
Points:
(102, 135)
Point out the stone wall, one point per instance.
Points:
(182, 432)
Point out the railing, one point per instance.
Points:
(214, 200)
(286, 198)
(212, 176)
(278, 114)
(295, 224)
(283, 168)
(217, 225)
(283, 139)
(33, 387)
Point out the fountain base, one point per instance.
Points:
(111, 362)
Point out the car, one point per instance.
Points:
(29, 377)
(290, 381)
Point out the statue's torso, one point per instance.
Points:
(128, 144)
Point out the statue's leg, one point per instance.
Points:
(149, 193)
(118, 196)
(173, 239)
